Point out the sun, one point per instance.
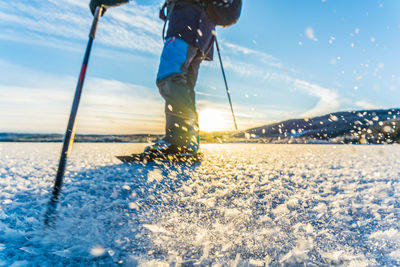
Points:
(211, 120)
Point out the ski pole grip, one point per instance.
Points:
(96, 18)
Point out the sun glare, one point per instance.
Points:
(211, 120)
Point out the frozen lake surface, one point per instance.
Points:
(244, 205)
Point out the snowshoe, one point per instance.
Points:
(146, 157)
(162, 152)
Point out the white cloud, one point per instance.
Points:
(35, 39)
(64, 23)
(259, 70)
(265, 58)
(130, 27)
(110, 106)
(277, 76)
(366, 105)
(70, 3)
(42, 104)
(328, 99)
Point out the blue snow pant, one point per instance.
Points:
(176, 79)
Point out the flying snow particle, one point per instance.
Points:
(357, 30)
(133, 206)
(363, 140)
(126, 187)
(333, 118)
(97, 251)
(111, 252)
(310, 34)
(387, 129)
(154, 175)
(373, 39)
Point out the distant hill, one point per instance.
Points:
(363, 126)
(88, 138)
(356, 127)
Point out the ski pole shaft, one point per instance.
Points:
(70, 133)
(226, 83)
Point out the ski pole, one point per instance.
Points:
(226, 84)
(50, 216)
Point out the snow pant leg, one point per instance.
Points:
(177, 88)
(192, 74)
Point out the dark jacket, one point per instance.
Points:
(189, 22)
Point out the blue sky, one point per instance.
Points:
(284, 59)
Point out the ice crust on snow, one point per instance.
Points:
(97, 251)
(251, 205)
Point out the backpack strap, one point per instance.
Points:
(168, 7)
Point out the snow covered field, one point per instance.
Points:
(243, 205)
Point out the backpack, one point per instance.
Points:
(223, 12)
(220, 12)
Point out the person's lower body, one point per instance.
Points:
(176, 80)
